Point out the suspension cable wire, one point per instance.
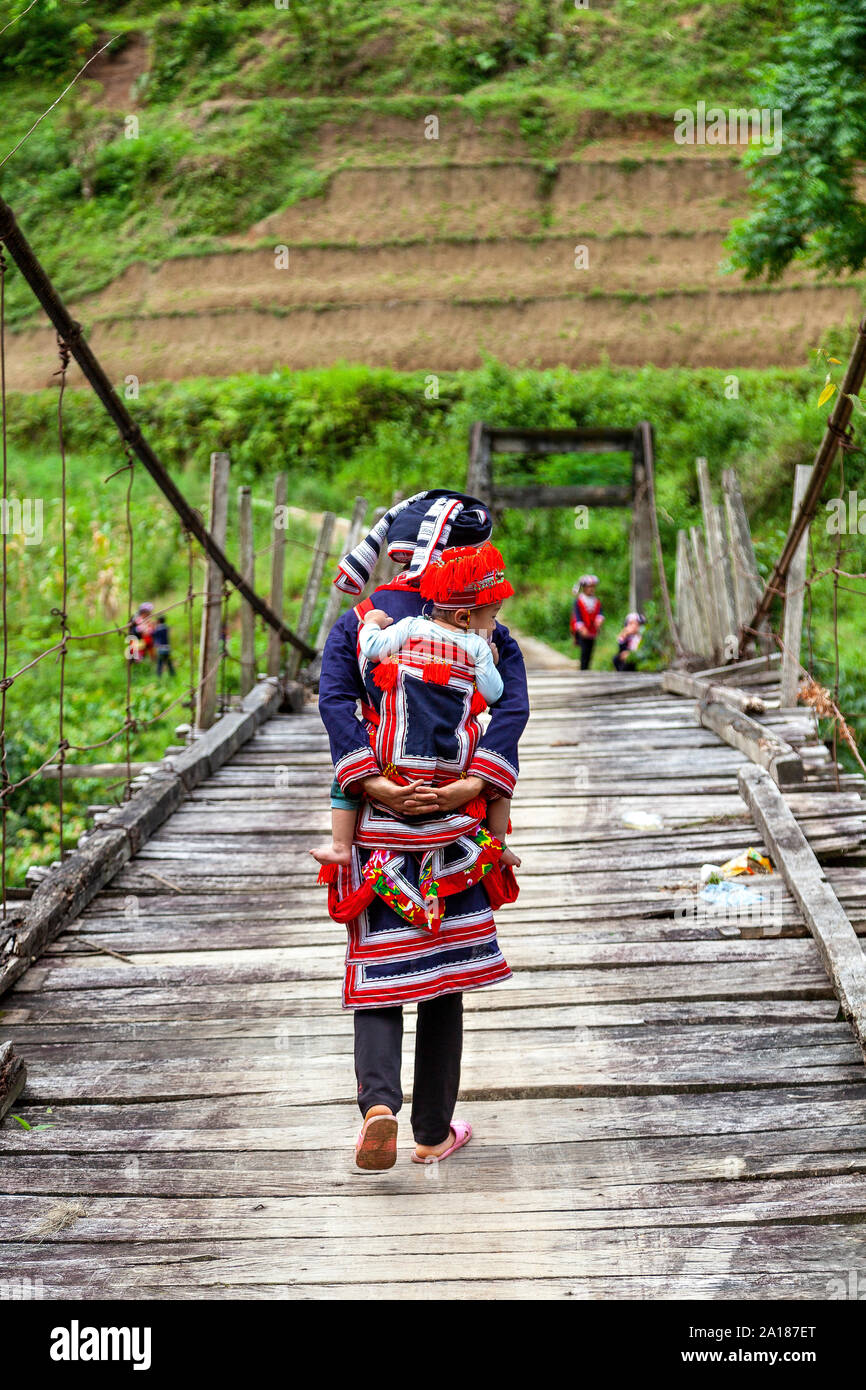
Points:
(118, 630)
(4, 768)
(138, 723)
(65, 357)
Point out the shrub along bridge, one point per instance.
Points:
(668, 1097)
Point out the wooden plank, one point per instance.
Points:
(836, 940)
(792, 627)
(759, 743)
(718, 578)
(13, 1076)
(479, 474)
(688, 613)
(682, 683)
(562, 495)
(571, 440)
(747, 583)
(704, 604)
(121, 1220)
(103, 771)
(468, 1255)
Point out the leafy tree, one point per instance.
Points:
(52, 37)
(807, 199)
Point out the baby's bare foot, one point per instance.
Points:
(332, 854)
(509, 857)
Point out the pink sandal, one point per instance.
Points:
(462, 1131)
(376, 1145)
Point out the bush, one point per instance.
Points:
(53, 37)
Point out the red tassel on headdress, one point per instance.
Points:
(478, 704)
(437, 672)
(467, 574)
(385, 675)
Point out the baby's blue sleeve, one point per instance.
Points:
(487, 678)
(374, 642)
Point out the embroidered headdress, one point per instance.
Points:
(466, 577)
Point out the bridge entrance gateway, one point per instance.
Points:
(485, 442)
(667, 1097)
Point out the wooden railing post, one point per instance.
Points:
(479, 474)
(747, 584)
(641, 580)
(248, 570)
(335, 595)
(314, 582)
(792, 629)
(208, 657)
(278, 567)
(704, 608)
(720, 596)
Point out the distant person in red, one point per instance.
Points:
(586, 617)
(140, 634)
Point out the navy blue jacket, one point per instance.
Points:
(341, 687)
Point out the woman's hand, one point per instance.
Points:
(412, 800)
(455, 794)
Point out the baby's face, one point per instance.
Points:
(483, 620)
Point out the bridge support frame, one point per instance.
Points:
(485, 441)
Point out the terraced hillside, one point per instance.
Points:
(387, 185)
(433, 264)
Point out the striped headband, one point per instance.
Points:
(356, 567)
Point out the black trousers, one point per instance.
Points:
(586, 645)
(438, 1051)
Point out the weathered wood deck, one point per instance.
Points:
(660, 1109)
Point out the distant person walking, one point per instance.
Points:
(586, 617)
(162, 643)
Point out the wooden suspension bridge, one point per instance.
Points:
(666, 1104)
(669, 1097)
